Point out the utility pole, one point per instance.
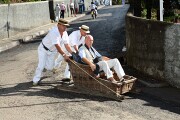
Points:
(51, 10)
(161, 9)
(8, 23)
(110, 2)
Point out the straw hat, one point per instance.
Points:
(85, 28)
(63, 22)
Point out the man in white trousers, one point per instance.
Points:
(76, 38)
(56, 40)
(57, 12)
(88, 55)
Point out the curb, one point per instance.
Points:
(31, 38)
(9, 46)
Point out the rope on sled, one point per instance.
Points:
(94, 78)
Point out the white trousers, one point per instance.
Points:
(112, 63)
(57, 14)
(59, 60)
(46, 60)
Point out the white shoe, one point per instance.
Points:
(54, 70)
(44, 70)
(122, 80)
(35, 83)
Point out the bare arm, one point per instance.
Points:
(59, 49)
(68, 48)
(93, 66)
(76, 48)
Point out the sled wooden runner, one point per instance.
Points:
(77, 90)
(85, 83)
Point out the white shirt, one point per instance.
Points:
(63, 7)
(72, 5)
(92, 6)
(54, 37)
(93, 52)
(57, 9)
(74, 38)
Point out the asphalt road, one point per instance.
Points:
(20, 100)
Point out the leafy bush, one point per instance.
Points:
(116, 2)
(144, 13)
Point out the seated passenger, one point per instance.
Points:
(91, 57)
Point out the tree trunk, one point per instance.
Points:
(51, 9)
(137, 8)
(149, 7)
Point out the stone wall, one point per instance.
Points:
(154, 48)
(172, 54)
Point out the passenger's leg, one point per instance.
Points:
(104, 66)
(114, 63)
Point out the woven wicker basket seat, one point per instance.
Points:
(83, 80)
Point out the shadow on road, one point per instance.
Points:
(18, 89)
(155, 102)
(26, 89)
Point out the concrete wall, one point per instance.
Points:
(154, 48)
(25, 16)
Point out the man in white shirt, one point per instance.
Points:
(76, 38)
(57, 12)
(56, 40)
(88, 55)
(93, 8)
(72, 9)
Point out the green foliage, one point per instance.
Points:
(174, 18)
(4, 1)
(144, 13)
(171, 9)
(154, 14)
(116, 2)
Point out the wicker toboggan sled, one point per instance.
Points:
(84, 82)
